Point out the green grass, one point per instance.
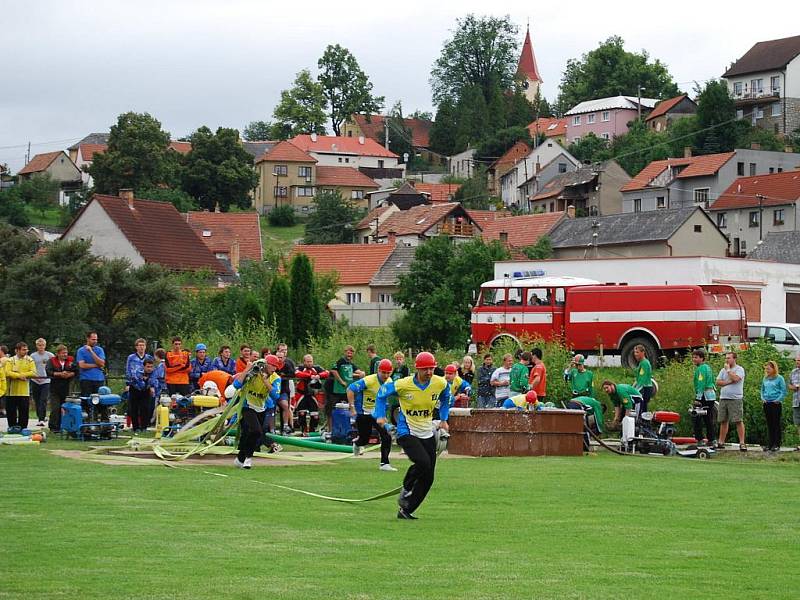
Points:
(52, 216)
(590, 527)
(280, 238)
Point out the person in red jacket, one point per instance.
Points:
(244, 358)
(178, 364)
(309, 384)
(61, 370)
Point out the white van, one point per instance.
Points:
(785, 336)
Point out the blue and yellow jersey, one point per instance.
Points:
(416, 404)
(458, 386)
(259, 395)
(519, 400)
(365, 390)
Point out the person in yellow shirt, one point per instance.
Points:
(259, 391)
(19, 369)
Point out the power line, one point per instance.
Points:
(26, 144)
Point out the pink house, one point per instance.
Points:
(606, 117)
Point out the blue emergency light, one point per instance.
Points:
(520, 274)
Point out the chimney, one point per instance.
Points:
(127, 195)
(361, 140)
(314, 137)
(538, 166)
(504, 237)
(235, 255)
(687, 152)
(755, 146)
(391, 238)
(216, 208)
(570, 212)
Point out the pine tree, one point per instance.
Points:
(279, 304)
(304, 301)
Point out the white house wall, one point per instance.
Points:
(108, 240)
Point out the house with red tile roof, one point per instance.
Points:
(413, 226)
(373, 127)
(669, 111)
(505, 163)
(753, 207)
(521, 231)
(592, 190)
(698, 180)
(551, 128)
(528, 174)
(232, 236)
(437, 192)
(342, 151)
(144, 232)
(55, 164)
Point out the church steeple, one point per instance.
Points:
(527, 70)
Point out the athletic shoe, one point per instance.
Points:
(238, 464)
(275, 448)
(387, 467)
(248, 463)
(402, 499)
(742, 448)
(287, 430)
(403, 514)
(40, 424)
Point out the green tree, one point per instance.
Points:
(178, 198)
(13, 209)
(472, 123)
(302, 107)
(346, 88)
(681, 134)
(766, 139)
(258, 131)
(304, 301)
(610, 70)
(437, 292)
(218, 170)
(498, 144)
(17, 244)
(541, 250)
(280, 313)
(399, 135)
(474, 192)
(590, 148)
(138, 156)
(716, 119)
(638, 147)
(40, 192)
(332, 221)
(443, 130)
(482, 54)
(519, 110)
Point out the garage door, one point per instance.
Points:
(792, 308)
(752, 303)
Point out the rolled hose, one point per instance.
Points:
(306, 443)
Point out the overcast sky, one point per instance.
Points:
(70, 67)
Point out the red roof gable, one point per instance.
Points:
(527, 61)
(370, 217)
(524, 230)
(374, 128)
(549, 127)
(777, 189)
(439, 192)
(513, 155)
(338, 144)
(181, 147)
(343, 176)
(419, 219)
(158, 232)
(225, 228)
(665, 106)
(286, 152)
(696, 166)
(40, 162)
(481, 217)
(89, 150)
(356, 264)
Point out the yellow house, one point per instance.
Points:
(288, 176)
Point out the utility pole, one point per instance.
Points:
(639, 91)
(386, 129)
(760, 216)
(28, 155)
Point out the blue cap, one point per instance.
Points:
(200, 347)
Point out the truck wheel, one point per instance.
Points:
(627, 358)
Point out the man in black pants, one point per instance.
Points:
(258, 391)
(361, 398)
(416, 432)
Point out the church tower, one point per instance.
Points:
(527, 71)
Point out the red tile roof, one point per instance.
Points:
(665, 106)
(549, 127)
(285, 152)
(777, 189)
(524, 230)
(527, 61)
(343, 177)
(419, 219)
(487, 216)
(158, 232)
(374, 128)
(356, 264)
(375, 213)
(696, 166)
(40, 162)
(341, 145)
(513, 155)
(439, 192)
(89, 150)
(181, 147)
(225, 228)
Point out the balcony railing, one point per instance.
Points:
(459, 229)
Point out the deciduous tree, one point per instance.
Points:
(332, 221)
(302, 107)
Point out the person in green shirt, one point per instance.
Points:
(705, 399)
(580, 378)
(644, 378)
(343, 373)
(593, 407)
(518, 378)
(624, 398)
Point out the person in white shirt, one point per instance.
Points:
(501, 380)
(40, 385)
(731, 400)
(794, 386)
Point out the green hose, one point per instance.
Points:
(306, 443)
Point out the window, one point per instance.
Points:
(740, 169)
(605, 116)
(737, 88)
(701, 196)
(754, 220)
(561, 297)
(776, 109)
(280, 170)
(756, 86)
(304, 192)
(340, 159)
(385, 298)
(722, 220)
(280, 191)
(357, 194)
(605, 136)
(562, 167)
(637, 205)
(354, 297)
(493, 297)
(739, 113)
(590, 118)
(347, 159)
(576, 120)
(514, 297)
(771, 170)
(538, 297)
(752, 169)
(698, 229)
(779, 335)
(661, 202)
(777, 217)
(780, 169)
(576, 139)
(304, 171)
(775, 84)
(759, 112)
(380, 163)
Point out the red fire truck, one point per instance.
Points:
(612, 318)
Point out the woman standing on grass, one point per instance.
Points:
(773, 391)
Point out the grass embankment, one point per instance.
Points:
(280, 239)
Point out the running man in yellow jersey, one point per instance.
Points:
(258, 391)
(361, 397)
(418, 396)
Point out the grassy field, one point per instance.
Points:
(280, 238)
(590, 527)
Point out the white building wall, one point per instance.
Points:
(108, 240)
(524, 169)
(773, 280)
(793, 78)
(354, 160)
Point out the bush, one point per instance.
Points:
(282, 216)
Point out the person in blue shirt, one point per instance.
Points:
(199, 365)
(224, 362)
(416, 432)
(139, 390)
(773, 391)
(361, 396)
(91, 361)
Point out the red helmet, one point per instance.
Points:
(452, 368)
(531, 397)
(273, 361)
(425, 360)
(385, 366)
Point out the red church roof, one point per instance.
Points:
(527, 61)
